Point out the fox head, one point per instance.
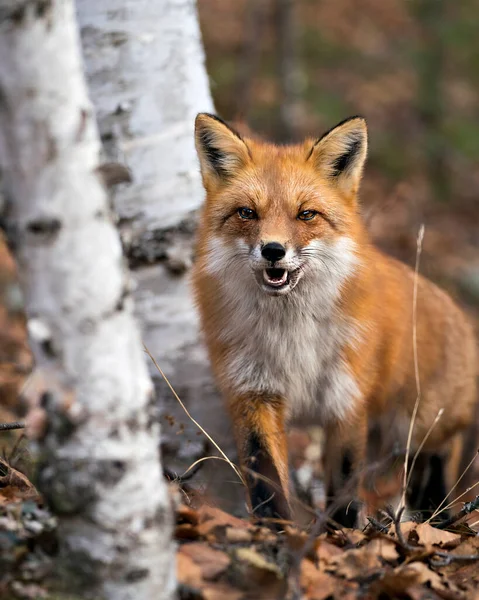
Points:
(280, 214)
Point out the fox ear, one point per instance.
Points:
(221, 150)
(341, 153)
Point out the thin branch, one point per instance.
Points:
(186, 476)
(420, 238)
(438, 558)
(447, 559)
(421, 446)
(396, 518)
(439, 510)
(454, 502)
(377, 526)
(468, 508)
(232, 465)
(11, 426)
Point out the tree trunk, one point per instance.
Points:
(98, 454)
(145, 67)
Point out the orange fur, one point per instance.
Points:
(358, 301)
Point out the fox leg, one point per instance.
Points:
(344, 458)
(259, 424)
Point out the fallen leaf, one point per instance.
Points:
(186, 514)
(315, 583)
(187, 571)
(384, 547)
(419, 573)
(186, 531)
(221, 591)
(264, 535)
(357, 563)
(256, 560)
(211, 562)
(465, 577)
(207, 513)
(235, 535)
(296, 538)
(427, 535)
(395, 583)
(251, 571)
(15, 486)
(325, 551)
(418, 592)
(213, 523)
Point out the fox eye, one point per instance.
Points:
(246, 213)
(307, 215)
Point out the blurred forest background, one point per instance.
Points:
(291, 69)
(295, 68)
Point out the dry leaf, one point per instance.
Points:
(15, 486)
(221, 591)
(316, 584)
(354, 564)
(186, 531)
(250, 570)
(384, 547)
(213, 523)
(234, 535)
(326, 552)
(257, 561)
(418, 592)
(211, 562)
(186, 514)
(427, 535)
(296, 538)
(187, 571)
(420, 573)
(264, 535)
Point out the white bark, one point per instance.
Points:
(145, 67)
(99, 464)
(144, 63)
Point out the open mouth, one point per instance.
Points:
(278, 282)
(276, 278)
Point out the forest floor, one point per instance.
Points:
(221, 557)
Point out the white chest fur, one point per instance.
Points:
(284, 351)
(291, 346)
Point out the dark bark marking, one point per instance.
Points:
(45, 227)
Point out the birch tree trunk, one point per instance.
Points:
(145, 67)
(98, 463)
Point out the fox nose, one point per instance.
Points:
(273, 251)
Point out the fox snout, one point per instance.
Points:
(273, 252)
(277, 268)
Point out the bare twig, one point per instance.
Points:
(468, 508)
(453, 503)
(421, 446)
(446, 559)
(438, 558)
(439, 510)
(377, 526)
(396, 518)
(232, 465)
(420, 238)
(186, 476)
(11, 426)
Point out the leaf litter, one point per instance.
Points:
(236, 558)
(220, 556)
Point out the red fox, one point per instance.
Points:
(306, 321)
